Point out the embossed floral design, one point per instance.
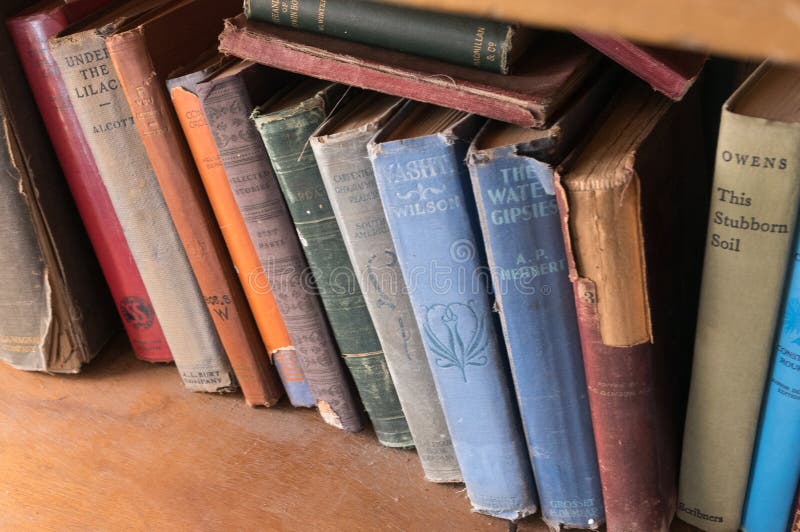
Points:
(457, 336)
(421, 192)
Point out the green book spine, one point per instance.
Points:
(483, 44)
(285, 134)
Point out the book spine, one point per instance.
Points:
(193, 217)
(432, 227)
(269, 227)
(483, 44)
(525, 251)
(285, 138)
(350, 184)
(795, 522)
(776, 463)
(121, 160)
(245, 259)
(30, 34)
(752, 218)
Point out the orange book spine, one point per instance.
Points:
(243, 253)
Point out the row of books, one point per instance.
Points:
(515, 297)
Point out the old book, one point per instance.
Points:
(484, 44)
(544, 79)
(340, 148)
(30, 31)
(56, 313)
(285, 123)
(107, 125)
(418, 160)
(144, 51)
(633, 205)
(182, 88)
(512, 178)
(750, 226)
(227, 98)
(671, 72)
(794, 524)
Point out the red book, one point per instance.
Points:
(670, 72)
(30, 31)
(544, 79)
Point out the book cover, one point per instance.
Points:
(466, 41)
(633, 201)
(544, 79)
(670, 72)
(228, 98)
(512, 178)
(750, 225)
(30, 31)
(108, 127)
(143, 53)
(246, 262)
(418, 160)
(285, 123)
(340, 149)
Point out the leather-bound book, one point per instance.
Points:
(227, 98)
(55, 311)
(633, 202)
(144, 52)
(286, 123)
(30, 31)
(107, 125)
(253, 277)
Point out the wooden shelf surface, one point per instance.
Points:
(749, 29)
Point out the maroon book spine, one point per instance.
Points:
(30, 32)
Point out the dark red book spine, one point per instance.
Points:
(30, 31)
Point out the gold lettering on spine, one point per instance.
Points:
(276, 11)
(294, 15)
(321, 15)
(477, 45)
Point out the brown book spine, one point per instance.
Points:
(191, 212)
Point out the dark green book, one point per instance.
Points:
(285, 123)
(484, 44)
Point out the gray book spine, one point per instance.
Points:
(108, 125)
(350, 183)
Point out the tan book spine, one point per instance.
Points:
(751, 222)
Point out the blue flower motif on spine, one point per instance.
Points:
(457, 335)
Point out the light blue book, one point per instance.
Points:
(424, 185)
(775, 469)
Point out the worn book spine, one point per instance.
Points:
(483, 44)
(191, 212)
(752, 217)
(285, 135)
(432, 222)
(350, 184)
(234, 230)
(776, 463)
(109, 129)
(253, 187)
(795, 517)
(30, 33)
(525, 251)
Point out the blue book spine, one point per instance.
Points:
(775, 470)
(424, 188)
(525, 250)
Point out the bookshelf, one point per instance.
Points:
(767, 28)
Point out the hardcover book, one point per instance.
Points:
(750, 226)
(56, 313)
(285, 123)
(418, 160)
(632, 203)
(30, 31)
(144, 51)
(340, 148)
(228, 98)
(512, 177)
(108, 127)
(183, 88)
(467, 41)
(544, 79)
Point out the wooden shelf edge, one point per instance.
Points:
(751, 30)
